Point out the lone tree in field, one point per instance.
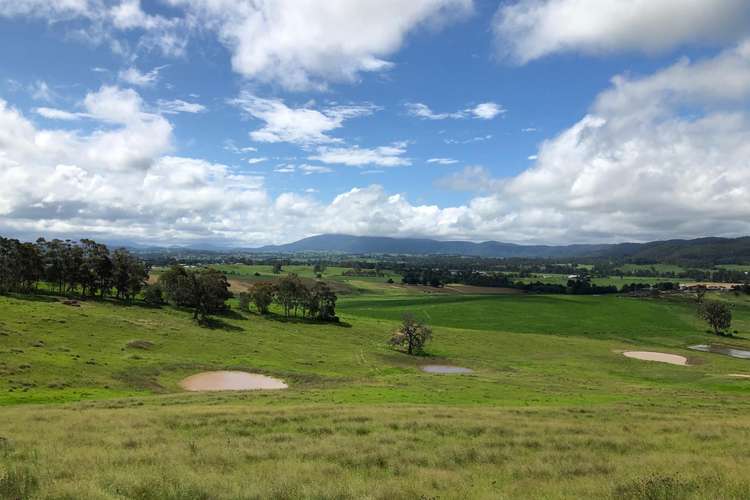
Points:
(718, 315)
(412, 334)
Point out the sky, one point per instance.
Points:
(248, 122)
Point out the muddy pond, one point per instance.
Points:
(231, 381)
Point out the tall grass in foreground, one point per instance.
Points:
(199, 451)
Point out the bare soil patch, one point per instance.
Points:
(661, 357)
(445, 369)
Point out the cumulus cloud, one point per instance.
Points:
(483, 111)
(529, 29)
(487, 110)
(302, 126)
(656, 156)
(383, 156)
(637, 166)
(115, 181)
(298, 44)
(303, 44)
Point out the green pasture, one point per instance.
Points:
(91, 407)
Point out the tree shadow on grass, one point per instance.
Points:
(232, 314)
(33, 297)
(307, 321)
(213, 323)
(296, 320)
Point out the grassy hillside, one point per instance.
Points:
(553, 408)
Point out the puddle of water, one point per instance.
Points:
(231, 381)
(445, 369)
(722, 349)
(672, 359)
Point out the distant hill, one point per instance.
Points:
(715, 250)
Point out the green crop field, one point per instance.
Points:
(91, 407)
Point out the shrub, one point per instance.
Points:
(153, 295)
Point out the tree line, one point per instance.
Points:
(84, 267)
(294, 297)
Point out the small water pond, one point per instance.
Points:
(722, 349)
(231, 381)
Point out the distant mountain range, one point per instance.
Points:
(702, 249)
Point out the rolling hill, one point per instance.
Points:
(715, 250)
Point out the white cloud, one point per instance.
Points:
(487, 110)
(44, 9)
(421, 110)
(103, 21)
(57, 114)
(253, 161)
(442, 161)
(303, 44)
(530, 29)
(484, 111)
(179, 106)
(288, 168)
(230, 146)
(639, 167)
(285, 169)
(478, 138)
(532, 157)
(133, 76)
(383, 156)
(656, 156)
(303, 126)
(116, 182)
(298, 44)
(528, 129)
(314, 169)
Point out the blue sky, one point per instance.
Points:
(244, 123)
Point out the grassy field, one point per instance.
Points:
(90, 405)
